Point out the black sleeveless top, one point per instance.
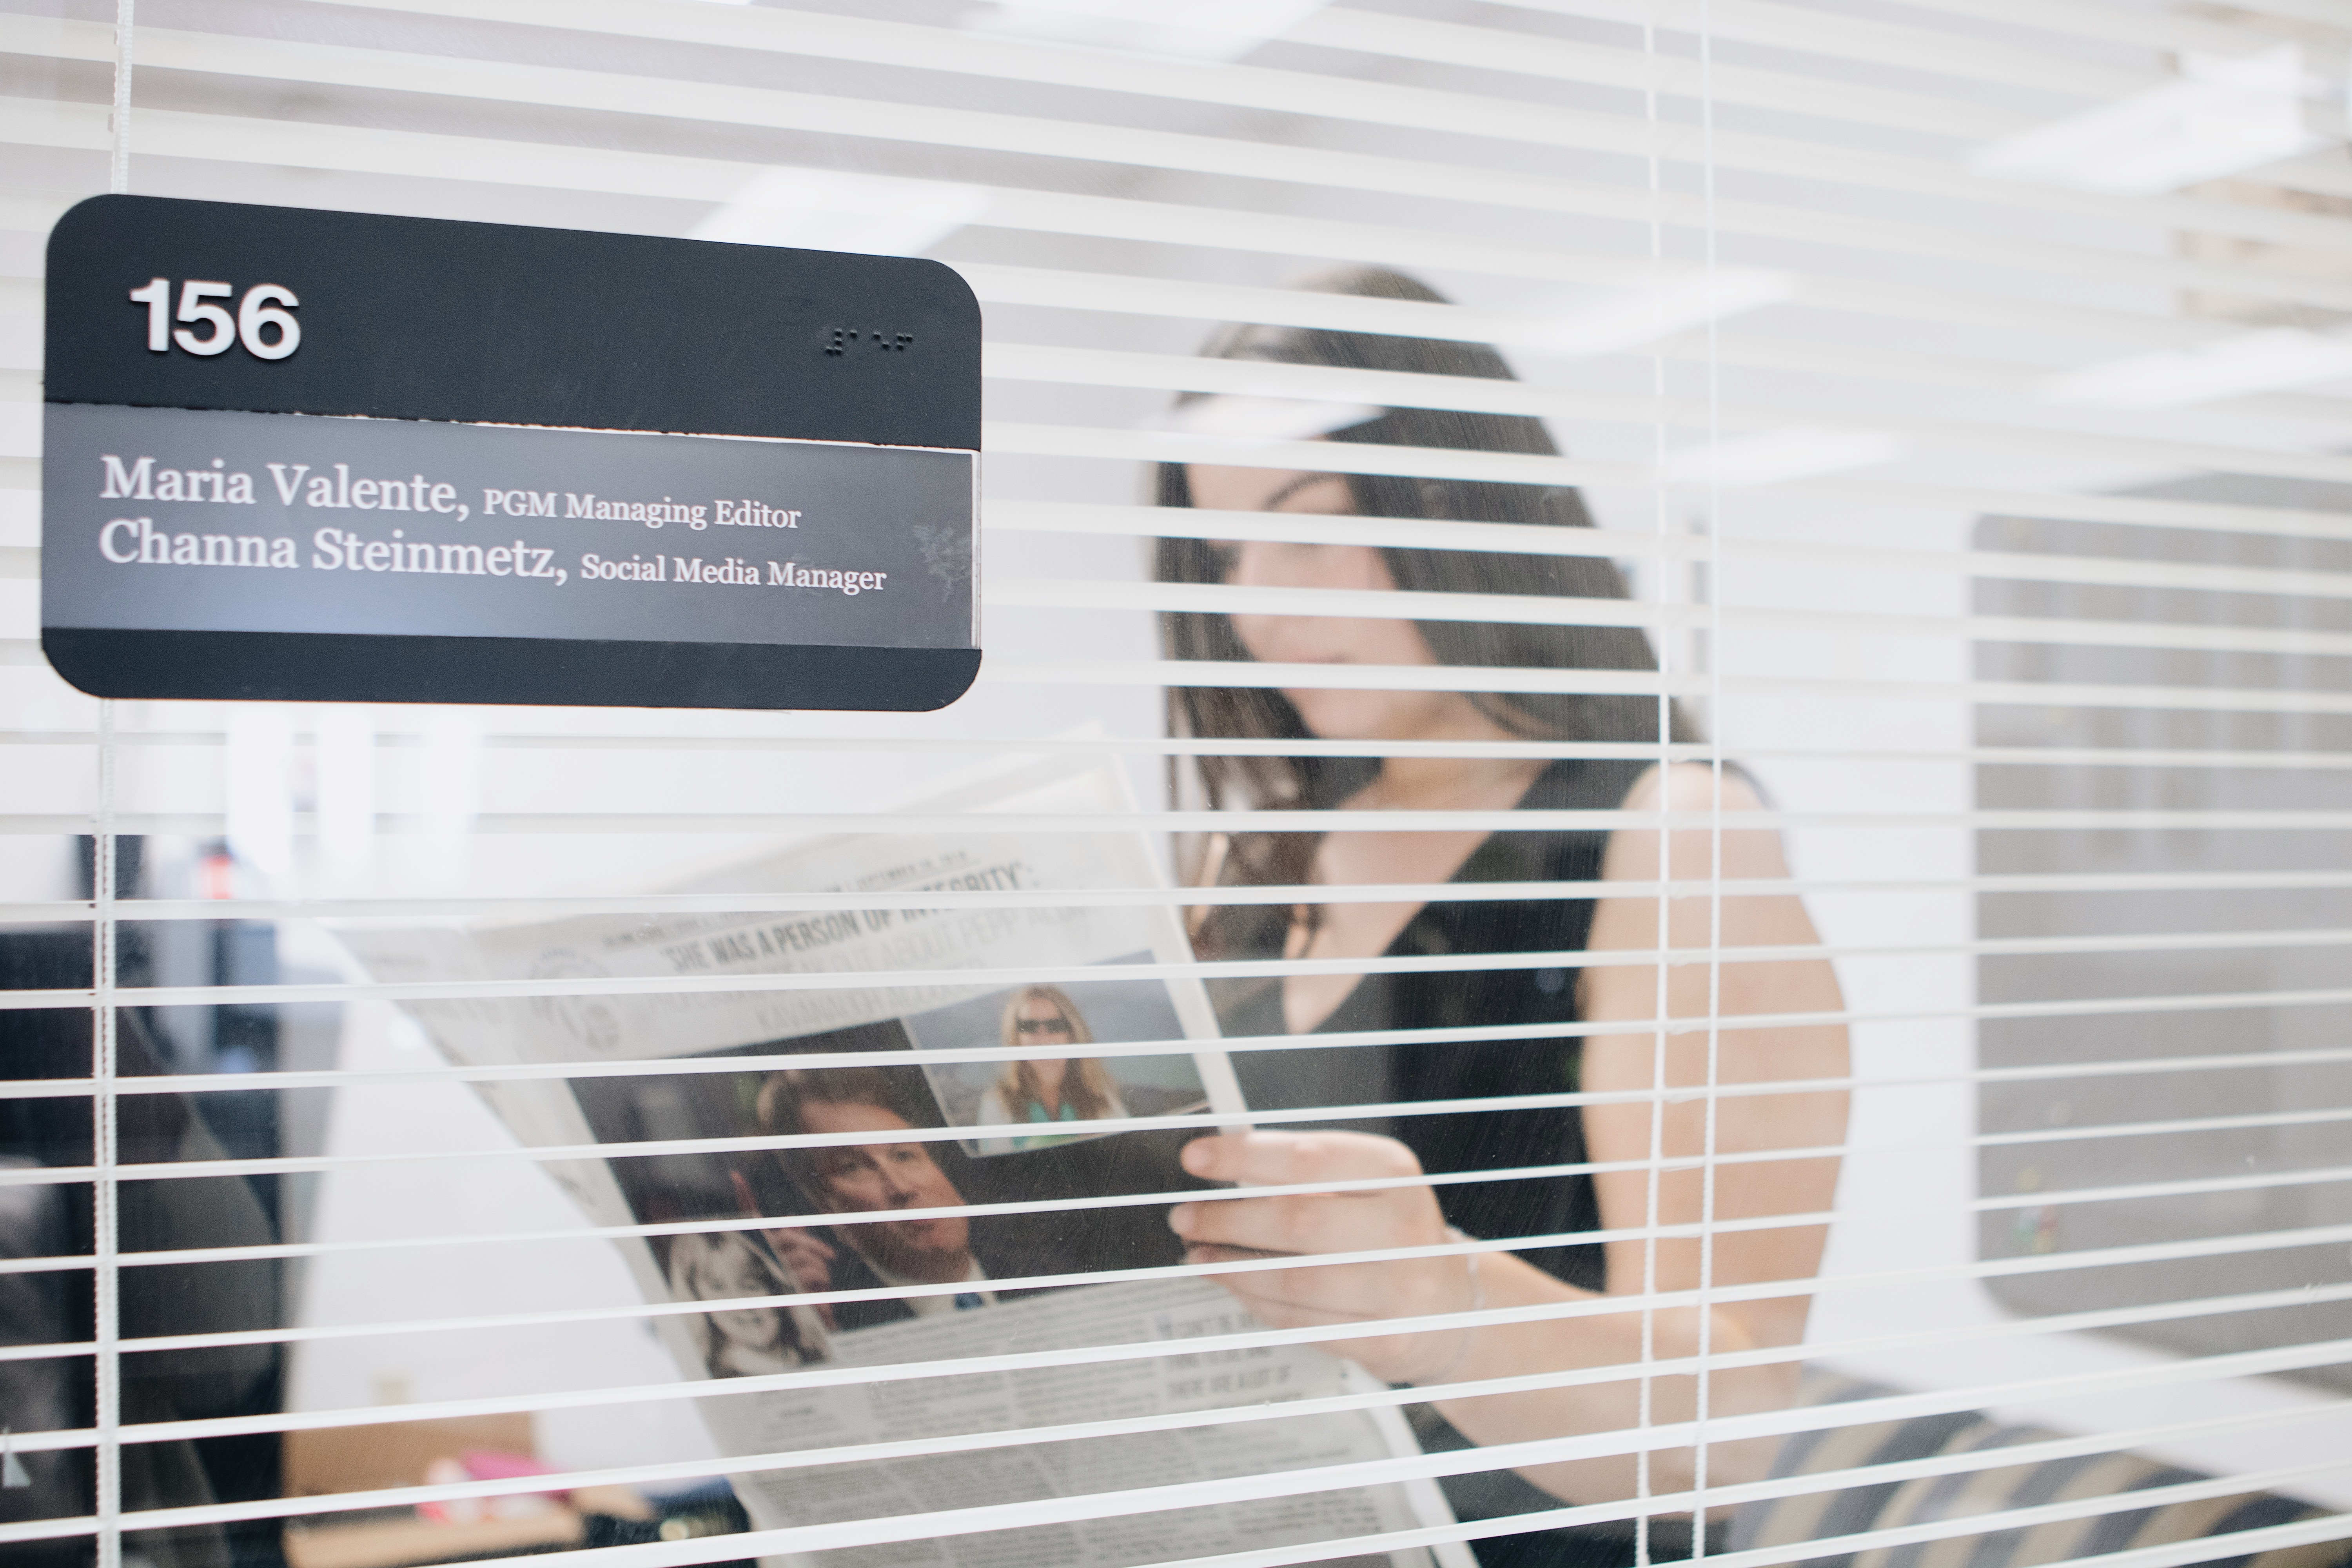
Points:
(1449, 1142)
(1439, 997)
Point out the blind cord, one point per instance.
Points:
(106, 1193)
(1711, 517)
(119, 149)
(1661, 561)
(106, 1190)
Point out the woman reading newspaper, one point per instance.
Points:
(1584, 1178)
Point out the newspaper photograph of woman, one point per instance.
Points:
(1042, 1081)
(742, 1342)
(1049, 1089)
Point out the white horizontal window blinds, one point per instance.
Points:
(2244, 1183)
(431, 1134)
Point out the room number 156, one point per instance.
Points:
(264, 321)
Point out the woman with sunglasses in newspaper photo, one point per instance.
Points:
(1575, 1187)
(1045, 1090)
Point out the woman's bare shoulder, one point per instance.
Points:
(1718, 828)
(1691, 787)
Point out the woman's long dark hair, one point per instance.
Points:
(1273, 783)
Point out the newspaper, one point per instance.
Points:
(996, 1157)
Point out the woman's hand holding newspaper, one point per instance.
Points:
(1223, 1230)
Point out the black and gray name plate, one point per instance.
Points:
(377, 459)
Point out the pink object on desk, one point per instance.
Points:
(488, 1465)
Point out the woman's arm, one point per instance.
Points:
(1744, 1124)
(1623, 1062)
